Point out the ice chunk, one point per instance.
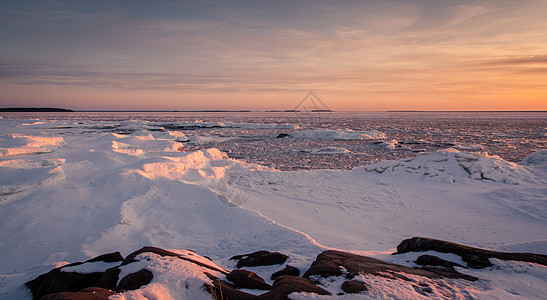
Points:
(340, 134)
(468, 147)
(327, 151)
(536, 158)
(197, 139)
(450, 165)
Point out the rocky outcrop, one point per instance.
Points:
(474, 257)
(289, 270)
(131, 258)
(431, 260)
(135, 280)
(350, 271)
(58, 280)
(61, 284)
(354, 286)
(332, 262)
(285, 285)
(259, 258)
(442, 267)
(248, 280)
(223, 290)
(85, 294)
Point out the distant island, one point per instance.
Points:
(34, 109)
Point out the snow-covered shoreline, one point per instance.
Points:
(68, 196)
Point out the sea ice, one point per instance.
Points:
(84, 196)
(328, 134)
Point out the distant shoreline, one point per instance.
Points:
(53, 109)
(34, 109)
(465, 111)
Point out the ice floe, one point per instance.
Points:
(340, 134)
(327, 151)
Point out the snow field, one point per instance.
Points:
(89, 192)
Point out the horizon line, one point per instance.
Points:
(55, 109)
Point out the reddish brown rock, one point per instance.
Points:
(135, 280)
(329, 263)
(85, 294)
(474, 257)
(260, 258)
(248, 280)
(223, 290)
(431, 260)
(285, 285)
(56, 281)
(354, 286)
(289, 270)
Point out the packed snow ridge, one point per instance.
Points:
(20, 144)
(451, 165)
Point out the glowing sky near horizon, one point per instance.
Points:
(262, 55)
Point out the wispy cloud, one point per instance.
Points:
(423, 47)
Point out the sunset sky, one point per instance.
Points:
(265, 55)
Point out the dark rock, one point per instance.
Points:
(289, 270)
(161, 252)
(248, 280)
(109, 257)
(207, 257)
(223, 290)
(442, 267)
(283, 135)
(474, 257)
(477, 261)
(431, 260)
(328, 264)
(260, 258)
(354, 286)
(85, 294)
(135, 280)
(109, 278)
(56, 281)
(449, 273)
(285, 285)
(324, 267)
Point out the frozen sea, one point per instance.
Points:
(77, 185)
(510, 135)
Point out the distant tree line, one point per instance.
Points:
(34, 109)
